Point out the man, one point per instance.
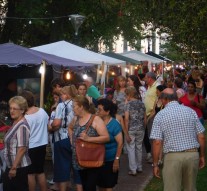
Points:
(178, 129)
(149, 101)
(92, 90)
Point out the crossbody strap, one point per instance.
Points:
(90, 122)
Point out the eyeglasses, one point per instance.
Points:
(14, 109)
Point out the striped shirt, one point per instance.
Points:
(178, 127)
(17, 136)
(64, 111)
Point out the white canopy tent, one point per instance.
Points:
(70, 51)
(137, 55)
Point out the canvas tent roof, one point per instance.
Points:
(67, 50)
(13, 55)
(159, 56)
(137, 55)
(121, 57)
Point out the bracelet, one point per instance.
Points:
(155, 165)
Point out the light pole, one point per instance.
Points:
(76, 20)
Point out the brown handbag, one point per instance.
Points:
(89, 155)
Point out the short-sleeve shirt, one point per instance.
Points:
(64, 111)
(114, 128)
(150, 98)
(178, 127)
(120, 101)
(93, 92)
(185, 101)
(17, 136)
(136, 111)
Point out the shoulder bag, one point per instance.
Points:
(89, 155)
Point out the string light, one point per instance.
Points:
(68, 75)
(85, 76)
(30, 22)
(100, 71)
(53, 21)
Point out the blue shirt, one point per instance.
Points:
(114, 128)
(178, 126)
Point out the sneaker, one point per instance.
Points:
(149, 156)
(132, 173)
(50, 181)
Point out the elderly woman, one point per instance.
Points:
(16, 147)
(37, 119)
(135, 121)
(109, 172)
(97, 133)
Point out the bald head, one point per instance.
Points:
(169, 94)
(168, 91)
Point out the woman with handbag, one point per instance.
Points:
(96, 133)
(108, 175)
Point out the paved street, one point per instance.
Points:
(126, 182)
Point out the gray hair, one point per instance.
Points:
(170, 97)
(151, 75)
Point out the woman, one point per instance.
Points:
(97, 133)
(82, 90)
(62, 147)
(135, 122)
(193, 100)
(16, 147)
(109, 172)
(119, 94)
(37, 119)
(134, 81)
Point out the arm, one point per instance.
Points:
(156, 148)
(126, 126)
(20, 153)
(119, 140)
(101, 129)
(201, 140)
(55, 125)
(70, 128)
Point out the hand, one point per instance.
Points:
(201, 162)
(116, 165)
(156, 171)
(128, 139)
(12, 173)
(83, 136)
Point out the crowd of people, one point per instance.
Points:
(166, 118)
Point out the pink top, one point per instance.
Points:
(185, 101)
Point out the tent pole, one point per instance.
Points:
(42, 84)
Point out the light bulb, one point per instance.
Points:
(41, 70)
(53, 21)
(100, 72)
(30, 22)
(68, 75)
(85, 76)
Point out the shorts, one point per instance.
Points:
(107, 178)
(37, 156)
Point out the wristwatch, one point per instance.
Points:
(117, 158)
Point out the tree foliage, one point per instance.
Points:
(184, 21)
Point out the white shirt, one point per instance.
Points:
(38, 128)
